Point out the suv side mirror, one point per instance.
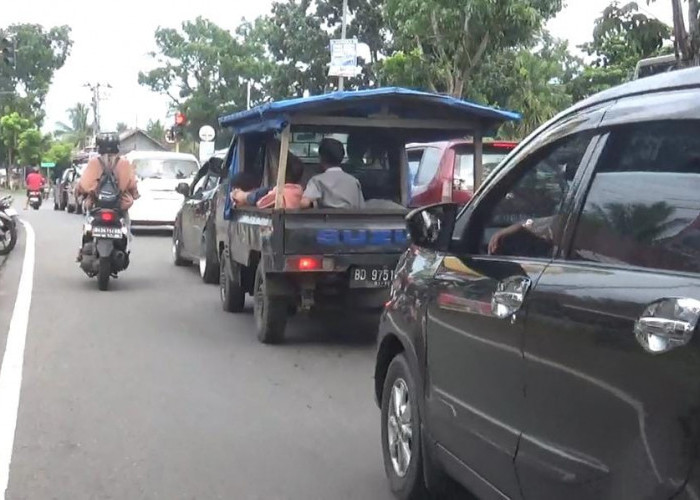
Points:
(431, 227)
(183, 188)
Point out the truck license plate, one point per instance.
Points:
(112, 233)
(370, 277)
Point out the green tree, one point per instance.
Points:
(686, 40)
(12, 126)
(531, 80)
(60, 153)
(30, 146)
(79, 130)
(203, 69)
(454, 37)
(621, 37)
(40, 52)
(156, 130)
(122, 127)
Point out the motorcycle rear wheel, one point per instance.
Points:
(9, 245)
(104, 273)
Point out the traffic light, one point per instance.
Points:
(8, 51)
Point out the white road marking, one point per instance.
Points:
(12, 361)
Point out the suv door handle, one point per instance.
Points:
(667, 324)
(509, 296)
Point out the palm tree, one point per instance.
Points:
(122, 127)
(79, 130)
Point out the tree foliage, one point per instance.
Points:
(39, 53)
(621, 37)
(686, 40)
(454, 37)
(203, 69)
(60, 153)
(156, 130)
(12, 126)
(79, 129)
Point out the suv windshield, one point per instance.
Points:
(161, 168)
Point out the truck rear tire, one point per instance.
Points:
(270, 312)
(232, 294)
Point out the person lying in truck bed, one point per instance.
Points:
(334, 188)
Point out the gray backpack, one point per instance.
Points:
(107, 194)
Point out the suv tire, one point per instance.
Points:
(405, 480)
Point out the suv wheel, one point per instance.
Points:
(270, 313)
(177, 251)
(208, 268)
(401, 438)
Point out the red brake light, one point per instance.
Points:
(107, 216)
(308, 264)
(304, 264)
(504, 144)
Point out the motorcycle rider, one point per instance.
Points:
(108, 157)
(35, 182)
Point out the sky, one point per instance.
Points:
(115, 48)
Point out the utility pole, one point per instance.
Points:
(248, 96)
(96, 97)
(343, 34)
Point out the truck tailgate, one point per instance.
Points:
(325, 232)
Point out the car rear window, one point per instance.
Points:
(464, 163)
(165, 168)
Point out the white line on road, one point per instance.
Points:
(12, 361)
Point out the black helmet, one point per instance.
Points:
(107, 143)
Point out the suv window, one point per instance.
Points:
(643, 207)
(429, 163)
(522, 218)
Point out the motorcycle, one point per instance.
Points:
(105, 245)
(8, 225)
(35, 199)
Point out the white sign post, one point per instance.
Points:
(344, 58)
(206, 146)
(207, 133)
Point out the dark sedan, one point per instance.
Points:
(541, 344)
(193, 236)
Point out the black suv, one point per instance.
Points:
(541, 344)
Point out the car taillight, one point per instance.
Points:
(304, 263)
(107, 216)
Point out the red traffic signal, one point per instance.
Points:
(180, 119)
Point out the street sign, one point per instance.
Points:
(47, 164)
(207, 133)
(206, 150)
(344, 58)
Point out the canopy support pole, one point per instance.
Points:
(282, 166)
(478, 158)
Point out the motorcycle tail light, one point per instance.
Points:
(107, 216)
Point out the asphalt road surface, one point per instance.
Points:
(151, 391)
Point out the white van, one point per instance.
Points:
(158, 174)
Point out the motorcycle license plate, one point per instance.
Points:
(370, 277)
(11, 212)
(112, 233)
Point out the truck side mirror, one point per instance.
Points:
(183, 188)
(431, 227)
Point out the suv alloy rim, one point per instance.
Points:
(400, 427)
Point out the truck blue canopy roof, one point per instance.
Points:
(394, 101)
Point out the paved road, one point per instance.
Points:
(151, 391)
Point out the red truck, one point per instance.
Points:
(444, 171)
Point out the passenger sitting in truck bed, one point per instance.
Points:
(264, 197)
(334, 188)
